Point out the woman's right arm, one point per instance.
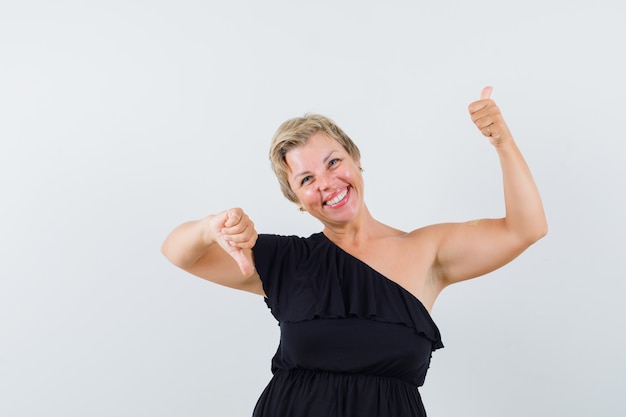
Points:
(217, 248)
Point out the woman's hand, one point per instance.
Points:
(235, 233)
(487, 117)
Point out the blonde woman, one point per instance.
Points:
(353, 301)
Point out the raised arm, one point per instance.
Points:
(468, 250)
(217, 248)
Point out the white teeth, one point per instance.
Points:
(338, 198)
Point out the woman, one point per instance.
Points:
(353, 301)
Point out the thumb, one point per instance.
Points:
(486, 93)
(244, 260)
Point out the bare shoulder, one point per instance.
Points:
(408, 258)
(428, 236)
(434, 235)
(400, 247)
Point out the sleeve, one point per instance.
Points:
(276, 259)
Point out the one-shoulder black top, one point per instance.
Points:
(353, 343)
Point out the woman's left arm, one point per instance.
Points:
(471, 249)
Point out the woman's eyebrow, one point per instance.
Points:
(326, 158)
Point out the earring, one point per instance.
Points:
(301, 209)
(361, 169)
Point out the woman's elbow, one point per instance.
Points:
(536, 233)
(170, 254)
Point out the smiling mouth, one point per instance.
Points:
(337, 198)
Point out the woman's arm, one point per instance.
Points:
(468, 250)
(217, 248)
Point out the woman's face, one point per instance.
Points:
(326, 179)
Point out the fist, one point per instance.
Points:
(235, 233)
(488, 119)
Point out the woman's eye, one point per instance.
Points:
(333, 162)
(305, 180)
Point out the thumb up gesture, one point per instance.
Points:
(487, 117)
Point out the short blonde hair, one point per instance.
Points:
(294, 133)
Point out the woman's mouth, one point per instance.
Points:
(337, 198)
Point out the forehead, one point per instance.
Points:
(317, 147)
(320, 140)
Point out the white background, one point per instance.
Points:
(121, 119)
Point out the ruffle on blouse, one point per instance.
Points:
(312, 278)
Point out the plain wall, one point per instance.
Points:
(121, 119)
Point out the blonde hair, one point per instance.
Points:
(294, 133)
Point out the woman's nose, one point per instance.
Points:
(324, 180)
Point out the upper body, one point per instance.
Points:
(319, 170)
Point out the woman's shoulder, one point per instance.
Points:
(280, 238)
(429, 234)
(271, 243)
